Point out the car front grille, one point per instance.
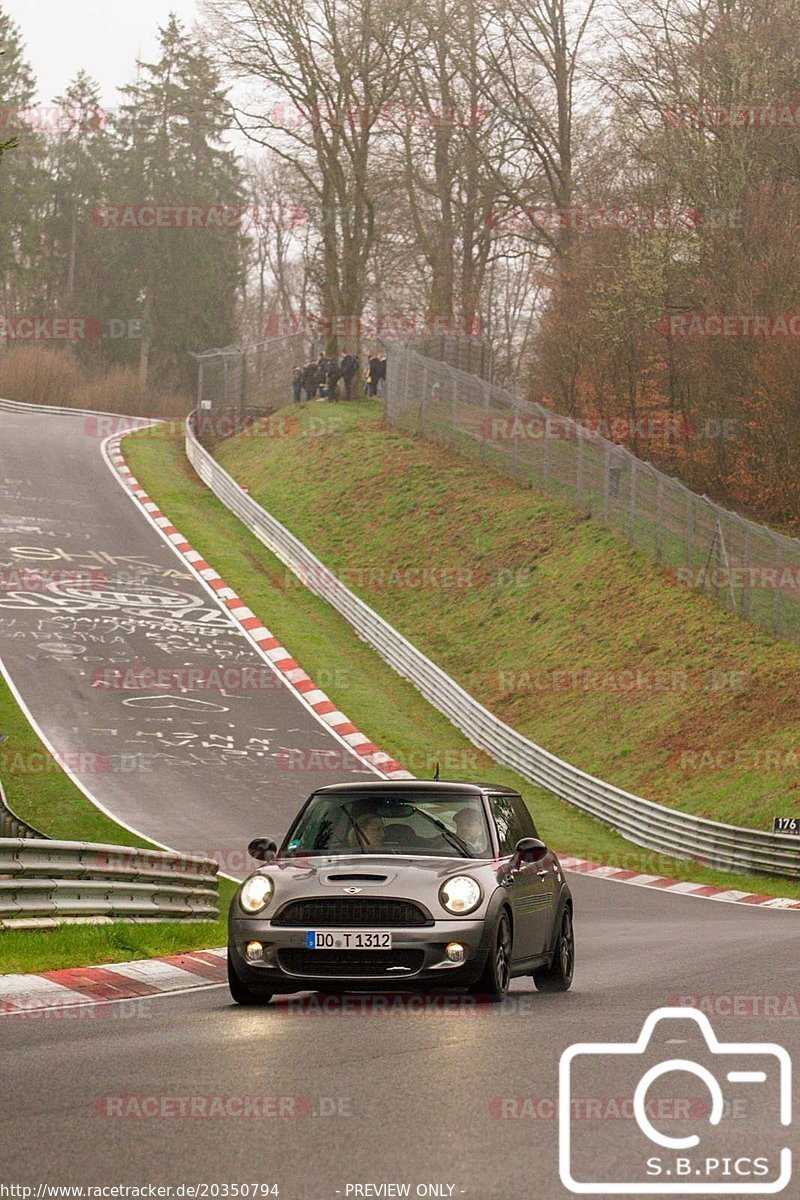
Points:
(324, 964)
(358, 911)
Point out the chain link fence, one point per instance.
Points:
(256, 379)
(252, 379)
(470, 354)
(747, 567)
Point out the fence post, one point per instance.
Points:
(689, 530)
(407, 382)
(632, 503)
(606, 480)
(776, 603)
(717, 548)
(546, 455)
(746, 572)
(423, 398)
(659, 518)
(485, 429)
(579, 465)
(516, 440)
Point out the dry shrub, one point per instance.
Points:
(120, 391)
(40, 375)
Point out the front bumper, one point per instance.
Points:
(417, 958)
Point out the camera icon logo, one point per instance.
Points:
(728, 1092)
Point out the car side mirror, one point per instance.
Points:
(262, 849)
(529, 850)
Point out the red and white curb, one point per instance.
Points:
(81, 987)
(269, 646)
(681, 887)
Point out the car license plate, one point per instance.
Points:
(348, 939)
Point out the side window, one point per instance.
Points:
(513, 821)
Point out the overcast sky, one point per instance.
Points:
(105, 37)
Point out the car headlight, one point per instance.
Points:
(256, 893)
(460, 894)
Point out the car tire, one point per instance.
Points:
(240, 992)
(496, 976)
(558, 976)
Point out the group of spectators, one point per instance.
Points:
(322, 378)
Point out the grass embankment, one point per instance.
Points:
(367, 498)
(40, 793)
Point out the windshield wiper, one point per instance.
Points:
(358, 832)
(450, 836)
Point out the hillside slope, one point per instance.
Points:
(560, 628)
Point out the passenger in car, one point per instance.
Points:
(471, 829)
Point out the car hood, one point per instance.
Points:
(398, 876)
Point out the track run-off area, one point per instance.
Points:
(315, 1099)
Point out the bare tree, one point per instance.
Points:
(531, 65)
(324, 73)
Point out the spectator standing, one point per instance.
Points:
(298, 376)
(374, 375)
(382, 376)
(332, 376)
(348, 369)
(310, 380)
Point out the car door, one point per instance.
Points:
(530, 884)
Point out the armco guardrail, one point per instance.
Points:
(667, 830)
(45, 883)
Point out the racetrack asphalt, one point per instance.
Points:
(94, 597)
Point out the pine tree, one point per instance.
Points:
(23, 185)
(181, 282)
(76, 251)
(8, 143)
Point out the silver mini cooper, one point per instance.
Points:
(403, 885)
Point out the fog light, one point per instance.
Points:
(254, 952)
(455, 952)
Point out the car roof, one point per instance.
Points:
(414, 786)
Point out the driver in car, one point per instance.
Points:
(372, 831)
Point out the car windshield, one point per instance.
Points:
(449, 826)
